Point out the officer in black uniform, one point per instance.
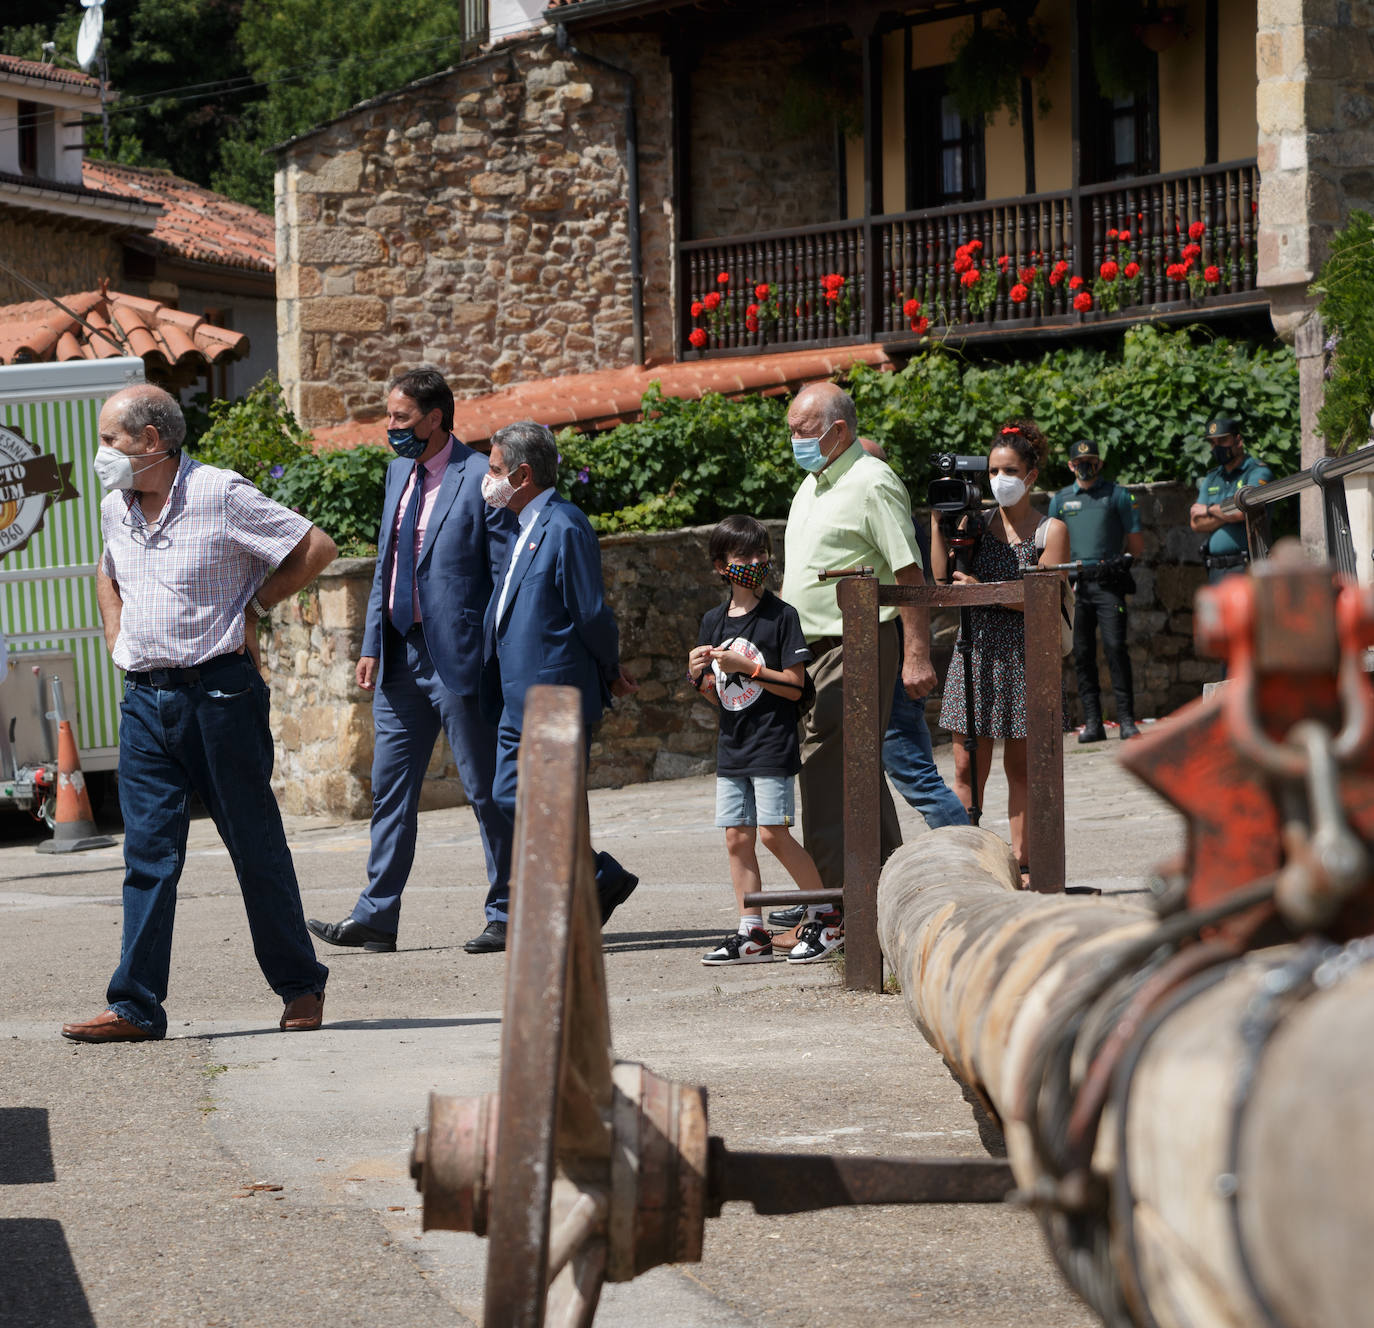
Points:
(1225, 551)
(1103, 525)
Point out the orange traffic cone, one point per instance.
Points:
(74, 825)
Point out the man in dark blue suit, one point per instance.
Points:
(438, 553)
(547, 622)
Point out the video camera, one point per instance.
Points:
(954, 488)
(955, 493)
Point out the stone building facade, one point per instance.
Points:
(761, 181)
(477, 221)
(1315, 108)
(659, 585)
(67, 259)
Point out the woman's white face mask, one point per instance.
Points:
(1008, 489)
(115, 469)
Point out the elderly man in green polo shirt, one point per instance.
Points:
(850, 511)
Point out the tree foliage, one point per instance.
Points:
(1346, 287)
(206, 87)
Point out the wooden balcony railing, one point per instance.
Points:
(1179, 242)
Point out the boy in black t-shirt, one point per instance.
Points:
(750, 661)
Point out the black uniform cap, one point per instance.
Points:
(1223, 426)
(1085, 448)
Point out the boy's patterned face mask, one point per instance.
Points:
(749, 575)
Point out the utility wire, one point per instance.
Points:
(109, 333)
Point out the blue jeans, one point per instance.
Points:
(910, 764)
(407, 712)
(210, 736)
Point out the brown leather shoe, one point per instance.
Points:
(107, 1027)
(304, 1013)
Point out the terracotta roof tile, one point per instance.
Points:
(598, 400)
(109, 323)
(12, 64)
(196, 223)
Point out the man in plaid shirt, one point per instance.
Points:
(193, 557)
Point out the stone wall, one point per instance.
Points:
(1315, 111)
(477, 221)
(765, 178)
(69, 260)
(659, 586)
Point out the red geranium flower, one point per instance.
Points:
(1124, 236)
(919, 325)
(1003, 261)
(761, 291)
(1132, 271)
(1190, 252)
(1019, 293)
(1027, 274)
(832, 281)
(751, 323)
(1109, 271)
(911, 308)
(1196, 230)
(696, 308)
(1075, 282)
(752, 311)
(712, 301)
(970, 278)
(1082, 302)
(1057, 272)
(1212, 275)
(722, 278)
(974, 244)
(697, 337)
(1175, 271)
(1112, 234)
(962, 262)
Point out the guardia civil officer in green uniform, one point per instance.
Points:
(1103, 525)
(1225, 551)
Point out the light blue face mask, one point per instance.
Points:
(806, 452)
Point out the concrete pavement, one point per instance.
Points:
(133, 1179)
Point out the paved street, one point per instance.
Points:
(128, 1173)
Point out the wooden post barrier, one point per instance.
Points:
(860, 599)
(1190, 1125)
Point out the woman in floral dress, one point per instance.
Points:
(1006, 547)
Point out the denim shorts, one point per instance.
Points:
(755, 800)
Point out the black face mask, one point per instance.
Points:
(1224, 454)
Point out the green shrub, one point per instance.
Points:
(1346, 287)
(341, 492)
(1146, 403)
(258, 436)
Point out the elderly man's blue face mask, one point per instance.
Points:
(806, 452)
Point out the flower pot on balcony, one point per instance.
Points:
(1162, 28)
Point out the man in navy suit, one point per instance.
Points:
(547, 622)
(438, 553)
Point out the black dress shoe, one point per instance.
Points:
(616, 895)
(491, 940)
(1130, 729)
(787, 917)
(351, 932)
(1092, 733)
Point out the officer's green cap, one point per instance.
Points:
(1222, 426)
(1084, 448)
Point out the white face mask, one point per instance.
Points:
(1008, 489)
(497, 492)
(115, 469)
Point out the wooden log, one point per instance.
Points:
(1219, 1215)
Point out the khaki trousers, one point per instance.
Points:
(822, 756)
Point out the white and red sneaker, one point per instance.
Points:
(737, 948)
(819, 937)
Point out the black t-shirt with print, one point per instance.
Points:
(758, 728)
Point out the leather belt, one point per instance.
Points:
(165, 678)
